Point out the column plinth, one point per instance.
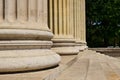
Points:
(81, 45)
(64, 46)
(25, 39)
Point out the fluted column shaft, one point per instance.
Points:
(1, 11)
(60, 18)
(71, 12)
(61, 23)
(79, 22)
(83, 23)
(30, 14)
(22, 10)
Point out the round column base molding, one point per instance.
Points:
(63, 40)
(81, 43)
(66, 50)
(81, 48)
(27, 60)
(63, 44)
(25, 34)
(25, 44)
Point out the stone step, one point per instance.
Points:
(77, 71)
(66, 62)
(111, 63)
(91, 65)
(95, 71)
(109, 72)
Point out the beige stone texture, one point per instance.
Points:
(87, 65)
(45, 74)
(25, 39)
(24, 60)
(66, 50)
(79, 20)
(24, 44)
(22, 34)
(62, 26)
(92, 66)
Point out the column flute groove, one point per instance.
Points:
(22, 10)
(60, 17)
(71, 18)
(1, 10)
(56, 17)
(51, 14)
(10, 10)
(65, 17)
(68, 17)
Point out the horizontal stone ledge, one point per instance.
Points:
(81, 42)
(24, 25)
(25, 44)
(25, 60)
(63, 40)
(81, 48)
(63, 44)
(66, 50)
(24, 34)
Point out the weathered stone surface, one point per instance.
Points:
(88, 65)
(24, 60)
(24, 34)
(46, 74)
(25, 44)
(66, 50)
(92, 66)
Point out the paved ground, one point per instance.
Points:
(88, 65)
(92, 66)
(118, 58)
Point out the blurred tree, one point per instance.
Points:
(103, 23)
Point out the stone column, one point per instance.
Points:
(84, 23)
(1, 11)
(79, 16)
(62, 26)
(71, 13)
(83, 19)
(25, 36)
(77, 22)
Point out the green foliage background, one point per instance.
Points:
(103, 23)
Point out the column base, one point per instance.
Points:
(81, 48)
(25, 34)
(24, 44)
(26, 55)
(65, 46)
(81, 45)
(66, 50)
(25, 60)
